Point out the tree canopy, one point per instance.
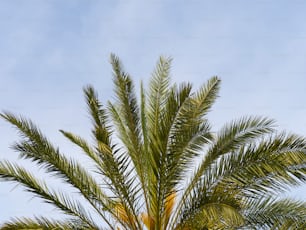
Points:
(159, 165)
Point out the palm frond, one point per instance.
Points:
(213, 216)
(270, 166)
(87, 149)
(99, 116)
(143, 118)
(101, 128)
(164, 155)
(189, 131)
(229, 139)
(37, 148)
(199, 197)
(111, 164)
(232, 137)
(158, 93)
(126, 106)
(13, 172)
(157, 96)
(143, 152)
(145, 146)
(126, 115)
(206, 95)
(41, 223)
(274, 213)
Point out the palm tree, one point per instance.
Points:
(158, 165)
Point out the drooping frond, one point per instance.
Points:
(261, 169)
(255, 170)
(41, 223)
(38, 149)
(13, 172)
(276, 214)
(230, 138)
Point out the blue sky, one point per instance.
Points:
(50, 49)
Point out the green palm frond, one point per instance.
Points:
(270, 167)
(229, 139)
(13, 172)
(143, 119)
(206, 95)
(159, 166)
(38, 149)
(41, 223)
(214, 216)
(100, 120)
(158, 92)
(232, 136)
(127, 107)
(87, 149)
(274, 213)
(111, 162)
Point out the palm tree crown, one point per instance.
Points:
(158, 165)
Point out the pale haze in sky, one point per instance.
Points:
(50, 49)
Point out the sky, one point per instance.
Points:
(50, 49)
